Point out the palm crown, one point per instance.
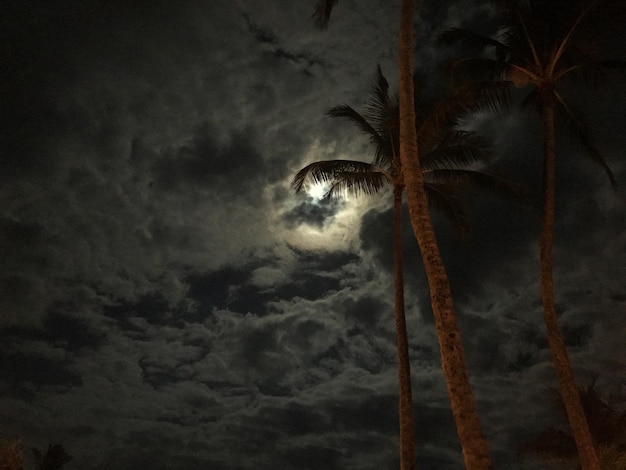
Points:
(542, 44)
(447, 154)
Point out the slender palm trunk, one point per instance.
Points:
(405, 399)
(463, 404)
(567, 385)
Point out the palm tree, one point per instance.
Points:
(446, 152)
(462, 401)
(356, 177)
(538, 48)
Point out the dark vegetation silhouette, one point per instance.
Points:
(12, 456)
(607, 425)
(447, 156)
(540, 45)
(462, 402)
(53, 459)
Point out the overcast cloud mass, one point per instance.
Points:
(167, 302)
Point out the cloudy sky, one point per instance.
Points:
(167, 302)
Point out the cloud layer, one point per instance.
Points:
(166, 301)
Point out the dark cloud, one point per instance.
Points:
(64, 327)
(316, 213)
(434, 431)
(366, 312)
(159, 277)
(272, 43)
(154, 309)
(24, 241)
(25, 372)
(51, 48)
(214, 290)
(234, 170)
(312, 277)
(376, 411)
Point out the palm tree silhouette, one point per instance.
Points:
(446, 154)
(540, 46)
(462, 402)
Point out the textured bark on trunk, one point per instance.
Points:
(567, 385)
(473, 443)
(405, 398)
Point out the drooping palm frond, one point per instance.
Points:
(358, 183)
(447, 114)
(436, 119)
(446, 198)
(576, 126)
(336, 172)
(493, 184)
(445, 152)
(321, 15)
(485, 96)
(531, 101)
(456, 149)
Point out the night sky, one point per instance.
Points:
(166, 300)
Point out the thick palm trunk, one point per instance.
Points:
(405, 401)
(463, 404)
(567, 385)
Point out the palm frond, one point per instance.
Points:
(493, 184)
(457, 149)
(357, 183)
(564, 44)
(377, 103)
(447, 113)
(446, 199)
(382, 143)
(576, 126)
(437, 119)
(510, 36)
(332, 171)
(525, 21)
(487, 95)
(531, 100)
(321, 15)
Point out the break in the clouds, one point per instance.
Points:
(166, 301)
